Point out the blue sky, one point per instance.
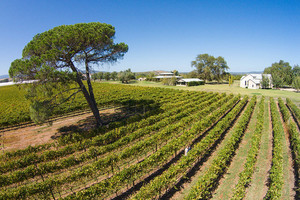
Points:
(166, 35)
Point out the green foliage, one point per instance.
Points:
(192, 74)
(195, 83)
(210, 68)
(126, 76)
(199, 104)
(249, 166)
(169, 81)
(293, 132)
(265, 83)
(230, 80)
(39, 111)
(276, 172)
(296, 71)
(294, 108)
(296, 83)
(107, 76)
(57, 57)
(175, 72)
(207, 182)
(114, 75)
(281, 72)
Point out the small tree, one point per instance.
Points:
(126, 76)
(296, 83)
(230, 80)
(100, 75)
(107, 76)
(94, 77)
(60, 59)
(277, 81)
(265, 82)
(175, 72)
(114, 75)
(150, 76)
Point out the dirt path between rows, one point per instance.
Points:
(36, 135)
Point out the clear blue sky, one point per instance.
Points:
(166, 35)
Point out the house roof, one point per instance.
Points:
(190, 80)
(256, 81)
(257, 76)
(167, 76)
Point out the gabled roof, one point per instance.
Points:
(257, 76)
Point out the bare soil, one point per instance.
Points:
(36, 135)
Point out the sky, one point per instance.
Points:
(166, 35)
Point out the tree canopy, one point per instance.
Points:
(209, 67)
(126, 76)
(296, 83)
(61, 56)
(282, 73)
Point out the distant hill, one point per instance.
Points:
(4, 76)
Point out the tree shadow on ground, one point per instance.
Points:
(112, 118)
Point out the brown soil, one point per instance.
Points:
(36, 135)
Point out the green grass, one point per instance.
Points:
(235, 89)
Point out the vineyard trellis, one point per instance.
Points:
(115, 160)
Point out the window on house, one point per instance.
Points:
(245, 82)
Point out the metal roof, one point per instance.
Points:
(190, 80)
(167, 76)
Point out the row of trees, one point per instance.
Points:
(124, 76)
(104, 76)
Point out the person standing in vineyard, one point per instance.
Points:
(60, 59)
(186, 150)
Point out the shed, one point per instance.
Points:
(190, 82)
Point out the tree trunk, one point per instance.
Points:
(88, 97)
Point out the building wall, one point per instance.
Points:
(253, 85)
(244, 81)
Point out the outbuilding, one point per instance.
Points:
(190, 82)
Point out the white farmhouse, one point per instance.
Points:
(253, 81)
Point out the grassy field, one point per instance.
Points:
(235, 89)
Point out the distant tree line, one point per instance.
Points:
(123, 76)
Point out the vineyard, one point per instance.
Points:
(177, 145)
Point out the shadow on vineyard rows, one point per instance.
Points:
(17, 137)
